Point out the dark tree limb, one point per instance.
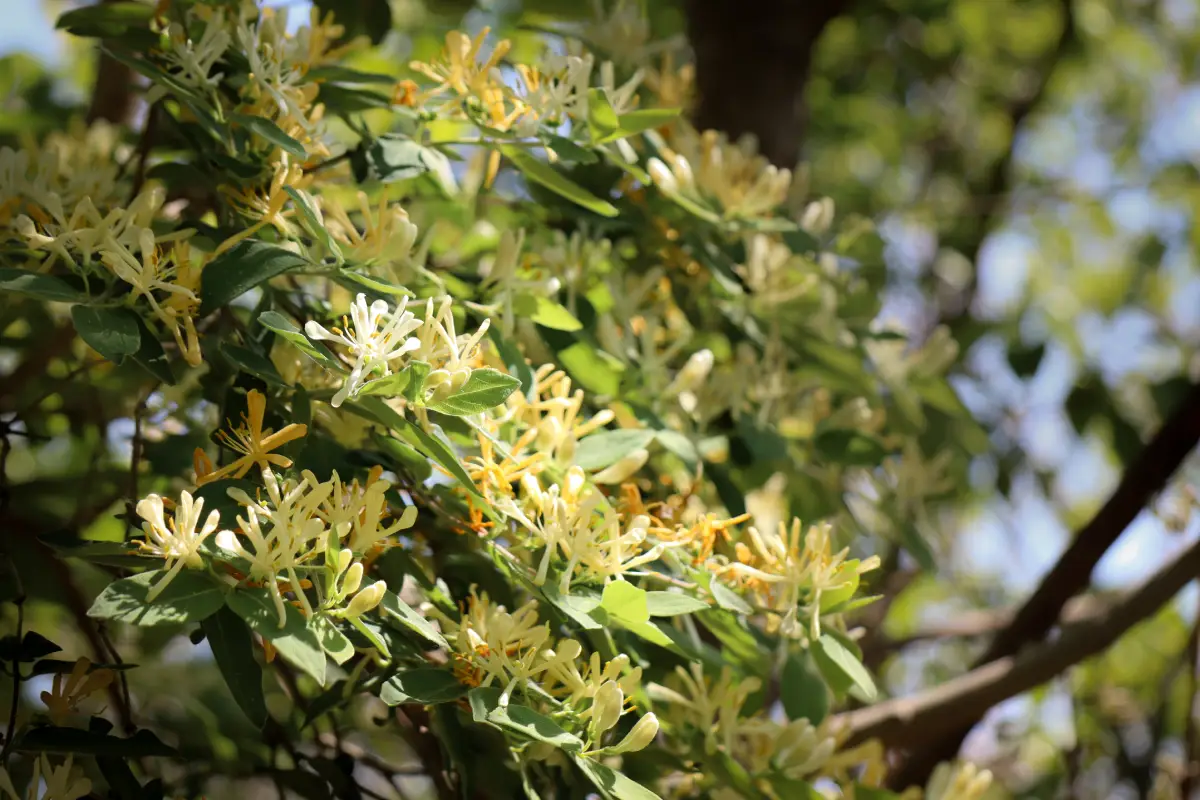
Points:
(112, 95)
(752, 64)
(1142, 480)
(920, 721)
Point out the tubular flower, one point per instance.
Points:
(64, 782)
(176, 540)
(373, 349)
(254, 443)
(67, 692)
(493, 646)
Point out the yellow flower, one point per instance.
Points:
(252, 442)
(177, 539)
(68, 691)
(66, 782)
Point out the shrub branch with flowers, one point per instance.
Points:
(490, 396)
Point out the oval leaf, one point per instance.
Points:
(672, 604)
(42, 287)
(605, 448)
(189, 597)
(484, 389)
(295, 641)
(241, 268)
(837, 662)
(233, 650)
(111, 332)
(427, 686)
(540, 172)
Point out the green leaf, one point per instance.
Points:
(849, 447)
(370, 18)
(484, 389)
(679, 445)
(836, 661)
(191, 596)
(728, 599)
(605, 448)
(602, 120)
(578, 606)
(645, 119)
(38, 286)
(242, 267)
(52, 739)
(333, 642)
(550, 314)
(268, 130)
(295, 641)
(340, 74)
(233, 650)
(151, 357)
(542, 173)
(424, 685)
(612, 783)
(106, 19)
(375, 409)
(374, 284)
(111, 332)
(514, 359)
(917, 547)
(30, 647)
(255, 363)
(388, 386)
(519, 719)
(672, 604)
(390, 158)
(626, 602)
(802, 691)
(303, 202)
(407, 616)
(282, 326)
(595, 371)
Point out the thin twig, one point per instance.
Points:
(121, 677)
(10, 733)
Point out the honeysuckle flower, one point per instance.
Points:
(623, 98)
(373, 349)
(958, 782)
(386, 235)
(64, 782)
(283, 533)
(493, 646)
(552, 410)
(565, 677)
(462, 76)
(254, 443)
(606, 709)
(195, 60)
(452, 356)
(68, 691)
(176, 540)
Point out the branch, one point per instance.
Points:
(752, 64)
(1144, 478)
(970, 624)
(917, 720)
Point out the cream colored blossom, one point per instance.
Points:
(178, 539)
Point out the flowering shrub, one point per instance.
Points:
(499, 386)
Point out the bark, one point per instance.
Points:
(752, 64)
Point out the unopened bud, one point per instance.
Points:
(353, 578)
(367, 599)
(606, 707)
(639, 737)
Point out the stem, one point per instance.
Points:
(10, 733)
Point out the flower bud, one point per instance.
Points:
(353, 578)
(367, 599)
(662, 176)
(624, 468)
(606, 707)
(639, 737)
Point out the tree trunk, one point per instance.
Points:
(752, 63)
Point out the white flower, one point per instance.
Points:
(372, 348)
(641, 735)
(365, 600)
(624, 468)
(175, 540)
